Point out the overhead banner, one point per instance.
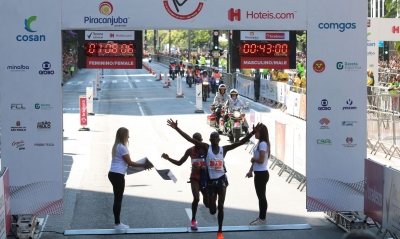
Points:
(264, 36)
(335, 156)
(109, 35)
(373, 38)
(234, 15)
(31, 103)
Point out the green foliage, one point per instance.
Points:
(391, 6)
(301, 40)
(179, 38)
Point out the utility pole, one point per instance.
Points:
(155, 42)
(145, 40)
(189, 45)
(216, 51)
(169, 42)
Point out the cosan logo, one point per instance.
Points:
(324, 105)
(106, 9)
(349, 106)
(337, 26)
(324, 141)
(17, 68)
(46, 69)
(20, 145)
(28, 27)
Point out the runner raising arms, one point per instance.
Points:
(198, 177)
(215, 166)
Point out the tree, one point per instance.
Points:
(69, 40)
(392, 7)
(301, 37)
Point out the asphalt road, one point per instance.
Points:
(133, 99)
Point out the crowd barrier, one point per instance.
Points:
(381, 198)
(290, 99)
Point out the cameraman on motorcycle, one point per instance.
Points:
(220, 98)
(205, 78)
(173, 66)
(190, 72)
(233, 102)
(216, 75)
(181, 68)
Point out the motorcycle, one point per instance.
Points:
(189, 78)
(205, 90)
(236, 124)
(173, 72)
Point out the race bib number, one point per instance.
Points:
(216, 164)
(199, 162)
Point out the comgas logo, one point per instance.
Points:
(28, 28)
(337, 26)
(106, 8)
(183, 10)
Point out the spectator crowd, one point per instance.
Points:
(69, 62)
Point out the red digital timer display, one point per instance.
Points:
(272, 49)
(93, 49)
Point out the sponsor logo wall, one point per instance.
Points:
(373, 45)
(332, 184)
(32, 115)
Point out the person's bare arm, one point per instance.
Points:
(197, 143)
(146, 165)
(176, 162)
(242, 141)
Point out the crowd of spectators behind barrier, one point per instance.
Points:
(387, 69)
(69, 58)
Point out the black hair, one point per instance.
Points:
(197, 136)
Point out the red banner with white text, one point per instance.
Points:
(111, 62)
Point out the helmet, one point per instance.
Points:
(180, 61)
(216, 69)
(190, 66)
(221, 87)
(234, 92)
(196, 66)
(204, 72)
(172, 62)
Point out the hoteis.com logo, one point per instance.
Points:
(183, 9)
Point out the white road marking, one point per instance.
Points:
(89, 83)
(189, 213)
(114, 81)
(137, 80)
(191, 102)
(150, 80)
(126, 81)
(141, 111)
(80, 82)
(69, 83)
(42, 229)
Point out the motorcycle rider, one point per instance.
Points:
(197, 72)
(205, 78)
(216, 75)
(189, 71)
(220, 98)
(172, 66)
(181, 68)
(233, 102)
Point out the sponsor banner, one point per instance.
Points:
(296, 104)
(264, 62)
(281, 87)
(264, 36)
(299, 143)
(32, 59)
(391, 200)
(289, 133)
(272, 90)
(111, 62)
(330, 186)
(171, 14)
(303, 106)
(373, 191)
(109, 35)
(280, 141)
(263, 88)
(179, 85)
(373, 38)
(83, 110)
(199, 96)
(290, 103)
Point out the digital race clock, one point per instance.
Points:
(260, 49)
(111, 49)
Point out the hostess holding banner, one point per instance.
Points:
(31, 99)
(335, 156)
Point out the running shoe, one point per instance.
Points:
(258, 222)
(193, 225)
(220, 235)
(121, 226)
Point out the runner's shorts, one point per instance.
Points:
(213, 185)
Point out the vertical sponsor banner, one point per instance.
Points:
(335, 157)
(273, 91)
(373, 38)
(391, 200)
(296, 104)
(373, 191)
(179, 86)
(281, 87)
(290, 103)
(83, 110)
(289, 146)
(263, 88)
(303, 106)
(199, 97)
(299, 148)
(280, 141)
(31, 103)
(89, 97)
